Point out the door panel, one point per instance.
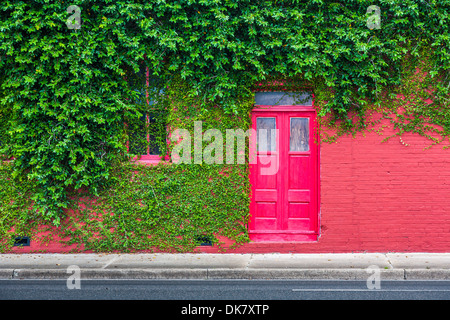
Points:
(299, 196)
(299, 172)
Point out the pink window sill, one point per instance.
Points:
(150, 159)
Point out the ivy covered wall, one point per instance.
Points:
(71, 98)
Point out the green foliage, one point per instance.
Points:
(70, 99)
(162, 207)
(68, 94)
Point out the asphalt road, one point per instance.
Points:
(223, 299)
(190, 290)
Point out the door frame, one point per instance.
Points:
(287, 235)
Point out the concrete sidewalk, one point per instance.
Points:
(355, 266)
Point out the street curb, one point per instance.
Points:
(303, 274)
(223, 274)
(54, 274)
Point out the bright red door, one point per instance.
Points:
(284, 179)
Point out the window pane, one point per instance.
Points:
(138, 138)
(299, 139)
(142, 138)
(153, 132)
(266, 134)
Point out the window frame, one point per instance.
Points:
(149, 159)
